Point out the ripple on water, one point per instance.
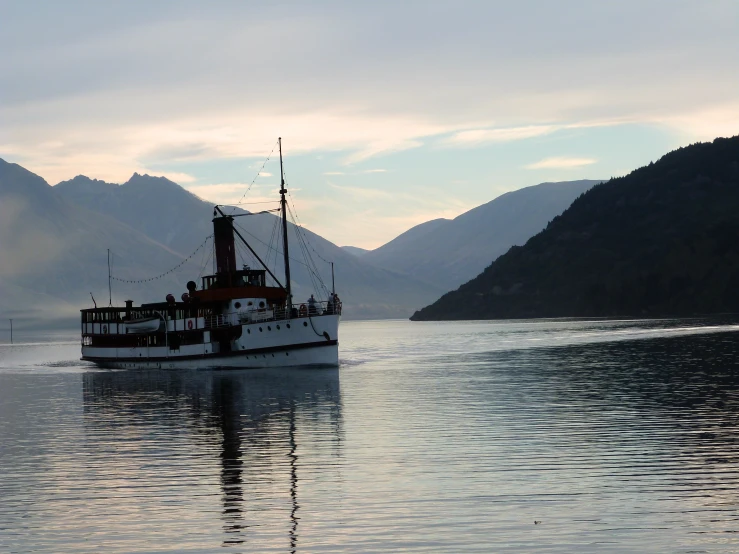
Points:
(613, 436)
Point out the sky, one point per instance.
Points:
(391, 113)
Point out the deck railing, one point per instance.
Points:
(220, 320)
(277, 314)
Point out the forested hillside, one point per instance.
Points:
(663, 240)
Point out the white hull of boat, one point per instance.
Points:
(317, 356)
(309, 341)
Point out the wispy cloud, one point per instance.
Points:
(720, 120)
(113, 150)
(105, 97)
(561, 163)
(473, 137)
(334, 173)
(479, 136)
(176, 176)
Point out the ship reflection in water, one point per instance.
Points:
(263, 420)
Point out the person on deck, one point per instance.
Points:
(312, 306)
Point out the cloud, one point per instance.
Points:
(473, 137)
(721, 120)
(561, 163)
(171, 85)
(176, 176)
(334, 173)
(111, 151)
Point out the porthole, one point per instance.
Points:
(237, 305)
(287, 353)
(248, 331)
(269, 328)
(278, 327)
(260, 329)
(305, 324)
(288, 326)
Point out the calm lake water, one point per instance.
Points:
(616, 436)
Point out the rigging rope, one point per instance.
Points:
(175, 268)
(256, 176)
(314, 274)
(304, 244)
(300, 224)
(275, 235)
(257, 213)
(204, 261)
(268, 246)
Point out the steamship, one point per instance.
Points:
(233, 319)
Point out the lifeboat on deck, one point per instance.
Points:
(143, 325)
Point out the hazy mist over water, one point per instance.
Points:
(615, 436)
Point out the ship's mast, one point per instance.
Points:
(283, 202)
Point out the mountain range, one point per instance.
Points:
(447, 253)
(54, 253)
(54, 244)
(660, 241)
